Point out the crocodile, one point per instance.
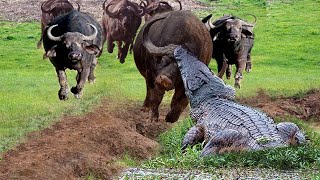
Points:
(221, 123)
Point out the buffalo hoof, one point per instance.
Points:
(172, 117)
(91, 80)
(237, 85)
(122, 60)
(78, 96)
(228, 77)
(145, 109)
(75, 91)
(248, 70)
(63, 94)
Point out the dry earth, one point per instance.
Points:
(77, 146)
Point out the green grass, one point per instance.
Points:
(285, 62)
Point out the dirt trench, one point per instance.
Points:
(79, 145)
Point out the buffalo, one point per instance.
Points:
(51, 9)
(233, 39)
(121, 20)
(155, 7)
(153, 55)
(73, 41)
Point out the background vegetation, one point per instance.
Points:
(285, 62)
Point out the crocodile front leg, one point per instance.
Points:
(227, 140)
(194, 136)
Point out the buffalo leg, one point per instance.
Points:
(229, 71)
(238, 76)
(120, 50)
(40, 41)
(81, 79)
(110, 45)
(178, 103)
(147, 100)
(156, 96)
(63, 92)
(91, 77)
(248, 64)
(124, 53)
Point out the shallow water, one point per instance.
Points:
(251, 174)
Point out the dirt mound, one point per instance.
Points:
(304, 107)
(77, 146)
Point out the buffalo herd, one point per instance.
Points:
(74, 40)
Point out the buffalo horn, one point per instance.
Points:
(109, 13)
(50, 36)
(138, 11)
(42, 8)
(78, 6)
(154, 50)
(94, 35)
(210, 23)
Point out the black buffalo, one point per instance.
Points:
(233, 39)
(73, 41)
(153, 55)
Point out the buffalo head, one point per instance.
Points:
(73, 44)
(229, 28)
(153, 7)
(123, 10)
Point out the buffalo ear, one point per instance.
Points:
(92, 49)
(51, 52)
(247, 31)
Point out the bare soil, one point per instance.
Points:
(77, 146)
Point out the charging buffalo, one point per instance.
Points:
(153, 55)
(233, 40)
(73, 41)
(121, 24)
(51, 9)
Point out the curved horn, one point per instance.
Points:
(50, 36)
(250, 24)
(78, 6)
(42, 8)
(139, 10)
(142, 3)
(154, 50)
(210, 23)
(180, 5)
(92, 36)
(104, 5)
(111, 14)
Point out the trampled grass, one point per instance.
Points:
(285, 62)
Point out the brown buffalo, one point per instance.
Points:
(51, 9)
(153, 55)
(121, 20)
(233, 40)
(155, 7)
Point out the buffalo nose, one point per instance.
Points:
(74, 55)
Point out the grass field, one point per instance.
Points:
(285, 62)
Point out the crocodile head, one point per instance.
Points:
(199, 81)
